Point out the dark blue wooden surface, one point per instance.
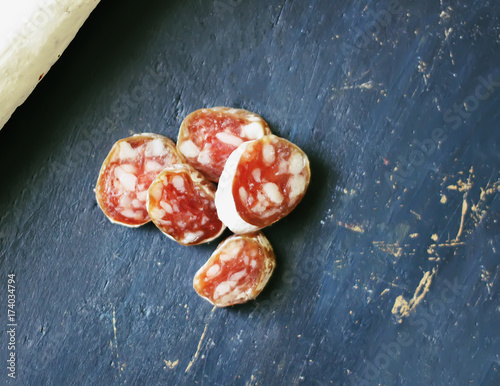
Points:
(388, 271)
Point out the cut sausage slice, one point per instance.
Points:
(181, 204)
(237, 271)
(126, 174)
(262, 182)
(208, 136)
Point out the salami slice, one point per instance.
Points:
(181, 204)
(126, 174)
(262, 182)
(208, 136)
(237, 271)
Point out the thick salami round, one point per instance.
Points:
(208, 136)
(237, 271)
(262, 182)
(181, 204)
(126, 174)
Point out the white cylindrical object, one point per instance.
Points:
(33, 35)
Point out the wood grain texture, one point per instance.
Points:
(388, 270)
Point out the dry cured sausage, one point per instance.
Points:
(237, 271)
(126, 174)
(208, 136)
(262, 182)
(181, 204)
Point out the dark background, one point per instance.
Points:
(397, 106)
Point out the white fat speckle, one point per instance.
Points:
(223, 288)
(126, 151)
(253, 264)
(258, 208)
(129, 168)
(157, 213)
(268, 153)
(130, 213)
(124, 200)
(224, 257)
(136, 203)
(190, 237)
(297, 163)
(243, 194)
(127, 180)
(272, 212)
(189, 149)
(282, 167)
(155, 191)
(152, 166)
(155, 148)
(142, 196)
(273, 192)
(178, 183)
(253, 130)
(229, 139)
(204, 157)
(167, 207)
(297, 185)
(213, 271)
(256, 174)
(238, 275)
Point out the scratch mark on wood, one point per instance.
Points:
(462, 219)
(422, 68)
(402, 307)
(416, 215)
(114, 345)
(197, 353)
(171, 365)
(480, 209)
(282, 7)
(486, 278)
(251, 381)
(352, 227)
(393, 249)
(452, 243)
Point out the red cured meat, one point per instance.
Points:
(126, 174)
(262, 182)
(237, 271)
(208, 136)
(181, 204)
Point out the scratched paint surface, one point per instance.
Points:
(388, 271)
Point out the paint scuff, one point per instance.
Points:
(402, 307)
